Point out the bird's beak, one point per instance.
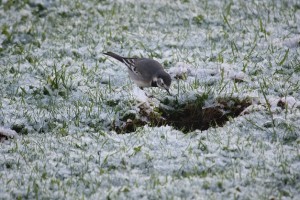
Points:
(168, 91)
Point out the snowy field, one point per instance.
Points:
(61, 99)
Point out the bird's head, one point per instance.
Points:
(163, 80)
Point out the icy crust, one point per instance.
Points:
(60, 95)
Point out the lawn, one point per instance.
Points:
(81, 129)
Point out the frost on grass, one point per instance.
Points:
(59, 92)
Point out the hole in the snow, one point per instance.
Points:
(193, 115)
(187, 116)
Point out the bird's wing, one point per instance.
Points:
(129, 62)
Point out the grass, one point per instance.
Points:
(62, 95)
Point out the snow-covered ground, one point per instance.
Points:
(59, 97)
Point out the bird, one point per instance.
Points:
(145, 72)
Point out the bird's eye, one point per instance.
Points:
(160, 82)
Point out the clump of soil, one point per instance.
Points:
(193, 115)
(187, 116)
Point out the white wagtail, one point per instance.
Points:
(145, 72)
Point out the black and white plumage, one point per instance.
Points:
(145, 72)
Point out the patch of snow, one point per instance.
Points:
(180, 70)
(139, 94)
(8, 132)
(289, 101)
(292, 42)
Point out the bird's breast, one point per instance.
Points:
(142, 83)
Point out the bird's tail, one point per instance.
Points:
(115, 56)
(129, 62)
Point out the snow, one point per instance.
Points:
(60, 95)
(292, 42)
(181, 69)
(290, 101)
(6, 133)
(139, 95)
